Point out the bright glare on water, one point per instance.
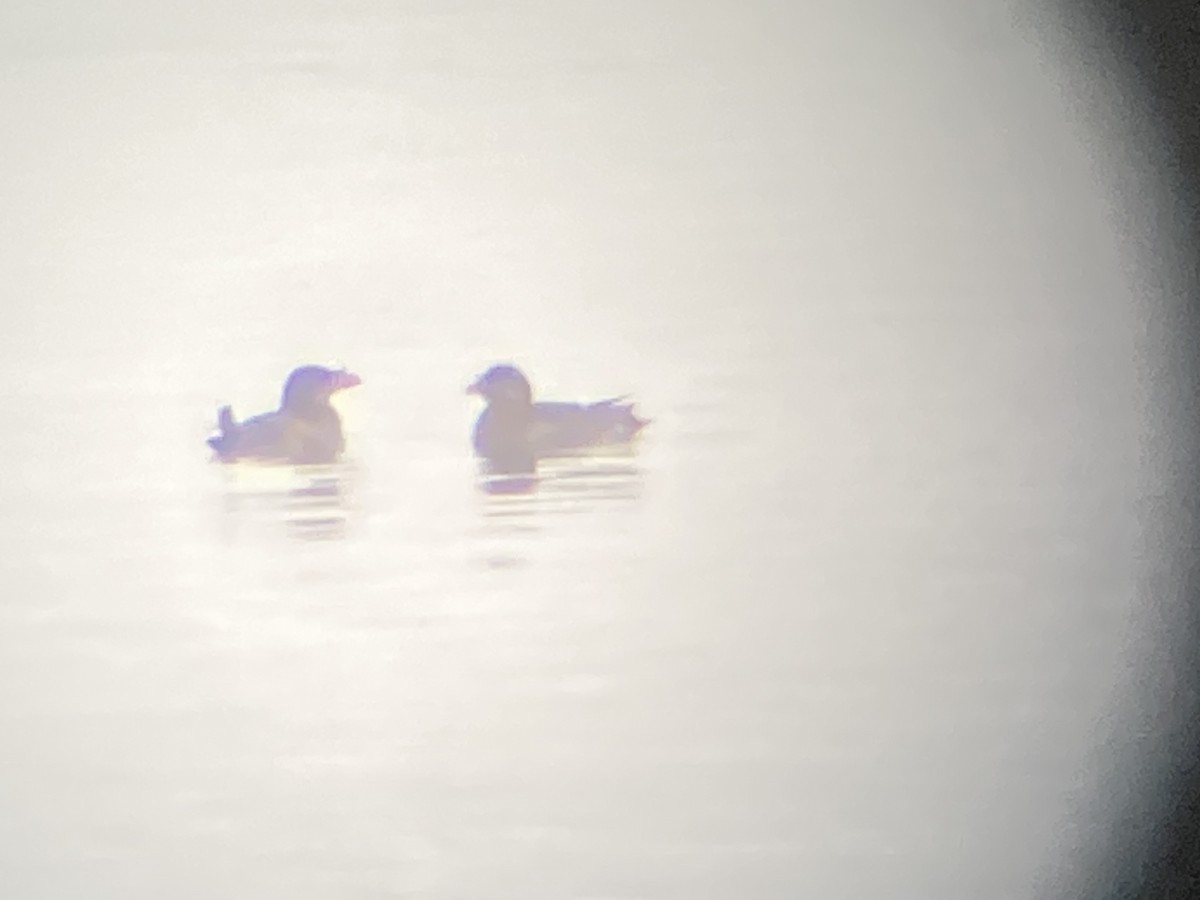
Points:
(854, 619)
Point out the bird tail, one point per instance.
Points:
(227, 424)
(625, 418)
(614, 401)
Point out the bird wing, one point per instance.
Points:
(572, 426)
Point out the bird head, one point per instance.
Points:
(310, 386)
(503, 384)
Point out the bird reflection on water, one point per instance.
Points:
(570, 484)
(517, 507)
(307, 502)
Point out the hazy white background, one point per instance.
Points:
(856, 622)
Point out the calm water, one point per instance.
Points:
(855, 620)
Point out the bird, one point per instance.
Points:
(513, 431)
(305, 430)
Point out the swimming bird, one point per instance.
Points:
(514, 431)
(305, 430)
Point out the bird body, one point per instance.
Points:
(554, 427)
(305, 430)
(514, 432)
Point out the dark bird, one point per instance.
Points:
(513, 431)
(305, 430)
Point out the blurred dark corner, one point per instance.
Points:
(1151, 848)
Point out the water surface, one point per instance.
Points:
(855, 619)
